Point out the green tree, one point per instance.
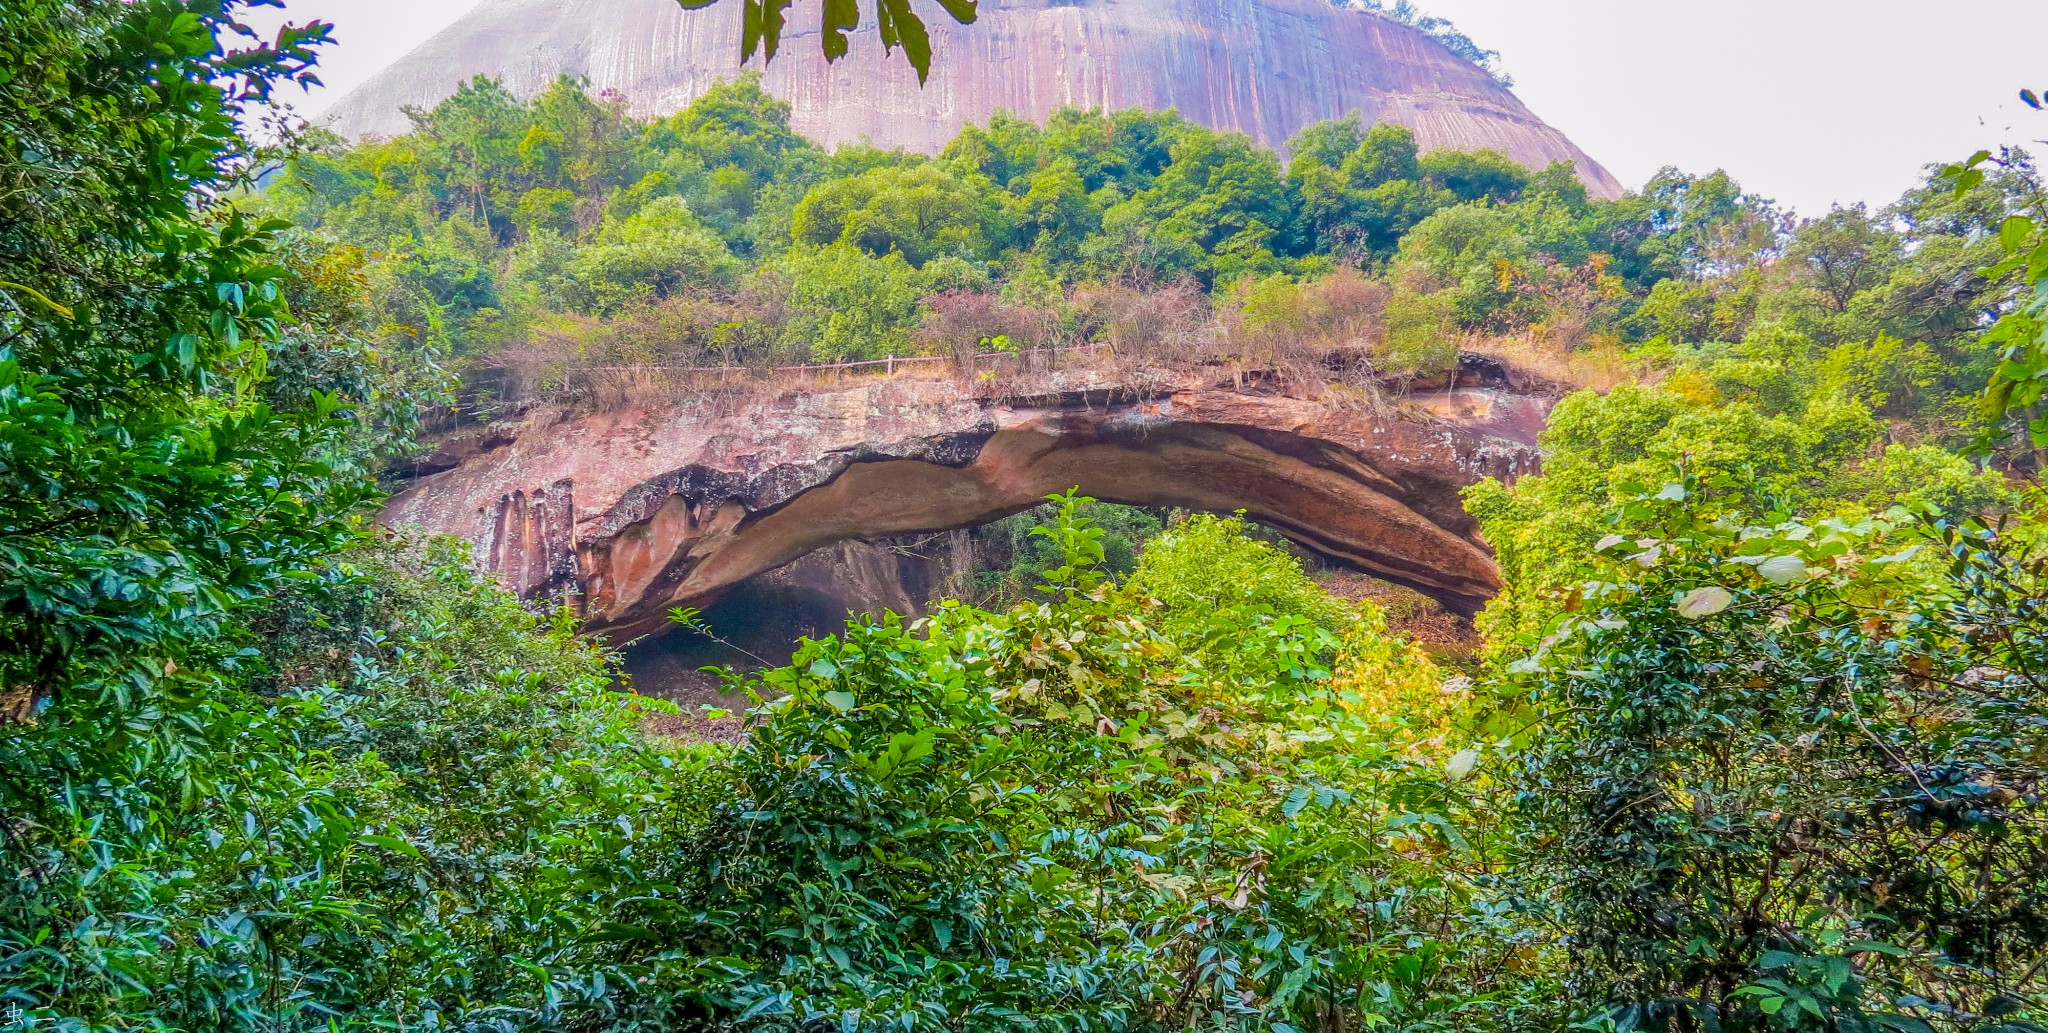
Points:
(724, 151)
(472, 138)
(1007, 148)
(919, 211)
(1465, 252)
(1603, 449)
(1325, 144)
(156, 485)
(546, 210)
(1224, 194)
(847, 304)
(589, 137)
(1475, 175)
(1135, 247)
(1055, 214)
(1385, 155)
(1359, 191)
(1123, 149)
(660, 251)
(1843, 253)
(1683, 225)
(149, 489)
(2020, 333)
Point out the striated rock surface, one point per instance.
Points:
(632, 512)
(1266, 67)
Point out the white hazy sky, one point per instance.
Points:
(1808, 102)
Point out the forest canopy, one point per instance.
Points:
(1755, 743)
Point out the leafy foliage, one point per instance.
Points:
(495, 218)
(385, 815)
(762, 22)
(2021, 332)
(1759, 442)
(149, 485)
(1790, 778)
(1104, 810)
(170, 456)
(1032, 554)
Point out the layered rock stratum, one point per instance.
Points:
(630, 512)
(1265, 67)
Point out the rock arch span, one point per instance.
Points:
(634, 511)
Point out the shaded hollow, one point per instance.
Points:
(754, 625)
(758, 622)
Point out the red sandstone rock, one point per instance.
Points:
(635, 511)
(1266, 67)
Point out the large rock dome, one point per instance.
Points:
(1266, 67)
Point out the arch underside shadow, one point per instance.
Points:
(1400, 520)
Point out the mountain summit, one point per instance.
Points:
(1265, 67)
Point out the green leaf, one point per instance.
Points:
(613, 932)
(1782, 570)
(750, 29)
(2015, 231)
(393, 844)
(900, 26)
(1836, 973)
(1704, 602)
(1295, 801)
(963, 11)
(841, 701)
(839, 17)
(1461, 764)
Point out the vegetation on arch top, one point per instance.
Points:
(557, 237)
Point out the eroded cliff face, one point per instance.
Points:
(1266, 67)
(632, 512)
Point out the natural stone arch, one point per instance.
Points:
(635, 512)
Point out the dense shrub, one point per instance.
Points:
(1790, 776)
(1820, 458)
(1135, 807)
(385, 811)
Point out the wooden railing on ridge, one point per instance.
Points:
(887, 365)
(484, 402)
